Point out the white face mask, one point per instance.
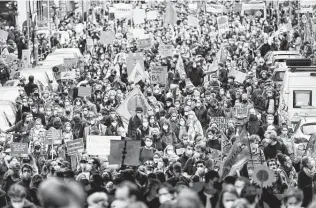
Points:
(165, 127)
(17, 204)
(228, 204)
(148, 144)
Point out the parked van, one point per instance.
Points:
(269, 56)
(298, 94)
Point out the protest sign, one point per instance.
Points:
(158, 75)
(123, 11)
(180, 67)
(237, 7)
(166, 50)
(84, 91)
(221, 122)
(70, 62)
(263, 176)
(132, 151)
(214, 8)
(151, 15)
(239, 76)
(26, 58)
(100, 145)
(132, 59)
(107, 37)
(138, 33)
(193, 6)
(222, 24)
(144, 43)
(75, 146)
(3, 35)
(137, 74)
(139, 16)
(241, 111)
(53, 136)
(70, 75)
(19, 149)
(193, 21)
(133, 100)
(254, 9)
(89, 44)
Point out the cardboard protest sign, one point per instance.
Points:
(139, 16)
(151, 15)
(193, 21)
(123, 11)
(241, 111)
(254, 9)
(215, 8)
(138, 33)
(134, 99)
(84, 91)
(19, 149)
(239, 76)
(221, 122)
(166, 50)
(53, 136)
(132, 59)
(3, 35)
(132, 149)
(70, 75)
(75, 146)
(222, 24)
(237, 7)
(107, 37)
(100, 145)
(144, 43)
(158, 74)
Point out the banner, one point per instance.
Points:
(84, 91)
(137, 74)
(138, 33)
(100, 145)
(3, 35)
(241, 112)
(139, 16)
(135, 99)
(171, 15)
(107, 37)
(53, 136)
(132, 59)
(239, 76)
(123, 11)
(19, 149)
(131, 157)
(222, 24)
(144, 43)
(89, 44)
(152, 15)
(254, 9)
(221, 122)
(226, 145)
(214, 8)
(193, 21)
(166, 50)
(75, 146)
(158, 75)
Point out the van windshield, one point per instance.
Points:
(302, 98)
(309, 128)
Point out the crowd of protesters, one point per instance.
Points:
(181, 118)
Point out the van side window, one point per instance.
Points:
(302, 98)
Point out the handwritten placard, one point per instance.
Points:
(158, 75)
(75, 146)
(53, 136)
(19, 149)
(144, 43)
(84, 91)
(107, 37)
(241, 111)
(166, 50)
(221, 122)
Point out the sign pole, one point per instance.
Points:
(123, 155)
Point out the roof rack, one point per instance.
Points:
(298, 62)
(302, 68)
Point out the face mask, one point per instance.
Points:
(164, 198)
(182, 123)
(18, 204)
(168, 104)
(165, 127)
(92, 122)
(148, 144)
(197, 155)
(68, 128)
(198, 104)
(169, 152)
(200, 171)
(228, 204)
(189, 153)
(145, 124)
(114, 124)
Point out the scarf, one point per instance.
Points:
(309, 173)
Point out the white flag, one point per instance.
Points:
(137, 74)
(180, 68)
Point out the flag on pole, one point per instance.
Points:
(226, 145)
(237, 156)
(137, 74)
(180, 68)
(171, 15)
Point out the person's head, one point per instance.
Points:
(188, 199)
(27, 172)
(98, 200)
(254, 141)
(199, 151)
(177, 169)
(240, 184)
(139, 111)
(292, 198)
(251, 194)
(227, 197)
(308, 162)
(127, 192)
(31, 78)
(148, 141)
(17, 195)
(165, 193)
(200, 167)
(56, 193)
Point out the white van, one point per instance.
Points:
(298, 94)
